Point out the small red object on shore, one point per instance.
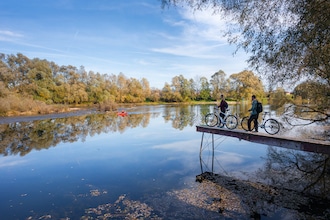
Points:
(122, 113)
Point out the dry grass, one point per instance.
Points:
(13, 105)
(108, 106)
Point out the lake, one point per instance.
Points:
(151, 165)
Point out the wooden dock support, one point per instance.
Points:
(273, 140)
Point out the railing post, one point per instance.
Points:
(200, 153)
(212, 152)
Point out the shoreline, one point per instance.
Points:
(27, 118)
(77, 111)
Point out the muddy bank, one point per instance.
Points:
(71, 112)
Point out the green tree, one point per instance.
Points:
(135, 91)
(93, 89)
(41, 84)
(205, 89)
(181, 88)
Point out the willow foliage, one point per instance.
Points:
(287, 39)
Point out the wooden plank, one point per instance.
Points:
(273, 140)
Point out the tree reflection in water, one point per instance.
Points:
(23, 137)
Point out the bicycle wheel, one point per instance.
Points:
(211, 119)
(244, 123)
(231, 122)
(272, 126)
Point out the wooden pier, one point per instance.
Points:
(273, 140)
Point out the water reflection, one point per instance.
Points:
(144, 167)
(23, 137)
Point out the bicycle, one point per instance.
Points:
(213, 119)
(271, 126)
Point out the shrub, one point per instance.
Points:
(107, 106)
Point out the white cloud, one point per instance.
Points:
(201, 35)
(10, 161)
(190, 50)
(184, 146)
(6, 35)
(208, 25)
(10, 33)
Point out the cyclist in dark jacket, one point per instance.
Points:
(223, 106)
(254, 114)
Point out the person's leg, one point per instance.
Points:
(256, 122)
(222, 115)
(221, 124)
(255, 119)
(249, 123)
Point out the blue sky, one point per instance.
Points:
(135, 37)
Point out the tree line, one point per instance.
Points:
(28, 83)
(53, 84)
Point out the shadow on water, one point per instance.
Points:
(290, 185)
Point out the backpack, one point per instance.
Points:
(259, 107)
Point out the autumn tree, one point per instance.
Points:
(192, 89)
(155, 95)
(40, 80)
(5, 73)
(181, 88)
(16, 78)
(145, 88)
(219, 84)
(278, 98)
(244, 85)
(167, 94)
(135, 91)
(122, 87)
(197, 87)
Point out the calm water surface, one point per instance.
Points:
(144, 166)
